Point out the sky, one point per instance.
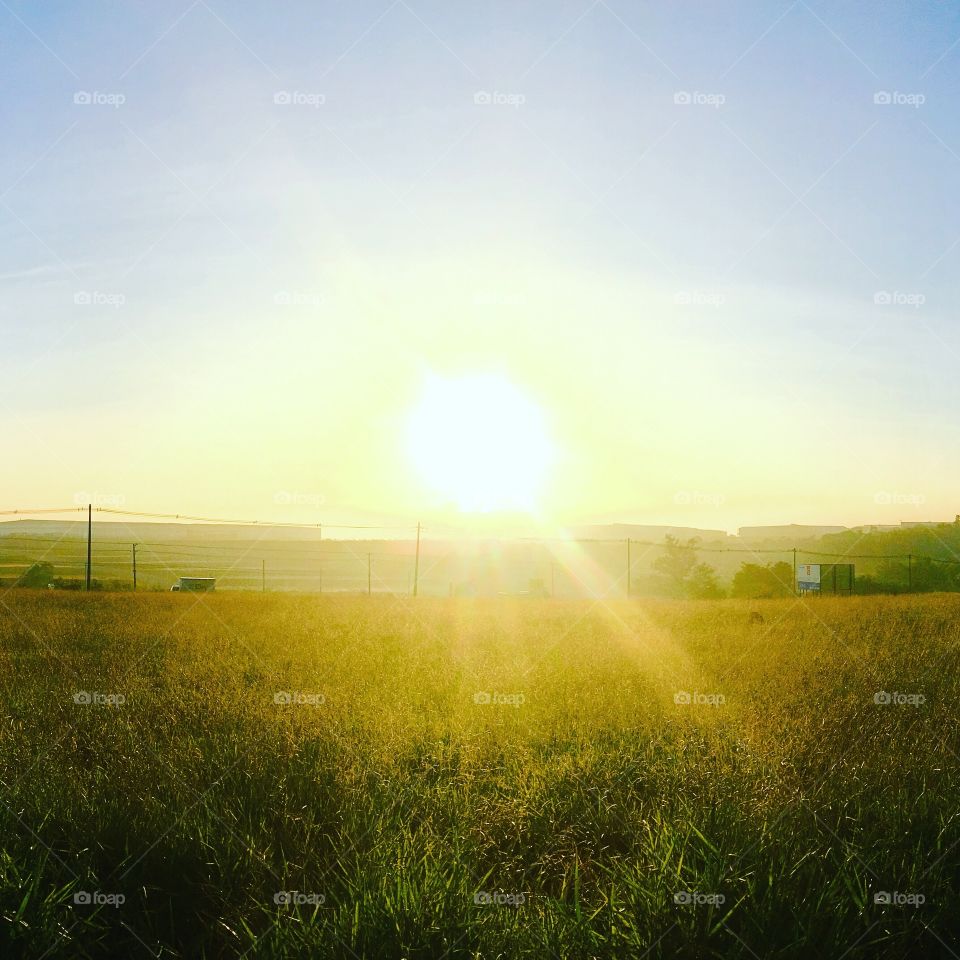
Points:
(703, 255)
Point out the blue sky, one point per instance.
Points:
(751, 294)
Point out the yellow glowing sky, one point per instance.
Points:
(443, 264)
(460, 384)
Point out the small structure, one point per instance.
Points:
(195, 585)
(821, 578)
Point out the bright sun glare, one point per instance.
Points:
(480, 442)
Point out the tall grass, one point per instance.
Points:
(586, 810)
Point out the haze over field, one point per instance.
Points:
(477, 480)
(580, 262)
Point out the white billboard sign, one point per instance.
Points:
(808, 573)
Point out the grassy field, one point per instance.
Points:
(296, 776)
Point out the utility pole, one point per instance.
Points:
(89, 541)
(794, 571)
(369, 564)
(263, 576)
(134, 546)
(416, 564)
(628, 567)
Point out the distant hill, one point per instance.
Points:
(789, 531)
(193, 532)
(653, 533)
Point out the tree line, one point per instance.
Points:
(679, 573)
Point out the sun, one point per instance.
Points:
(480, 442)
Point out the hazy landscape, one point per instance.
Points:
(479, 480)
(582, 562)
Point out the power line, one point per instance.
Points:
(8, 513)
(119, 549)
(25, 513)
(255, 523)
(412, 527)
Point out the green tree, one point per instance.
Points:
(755, 581)
(37, 577)
(701, 583)
(922, 576)
(678, 574)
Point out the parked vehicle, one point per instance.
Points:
(194, 585)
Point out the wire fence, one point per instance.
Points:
(114, 555)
